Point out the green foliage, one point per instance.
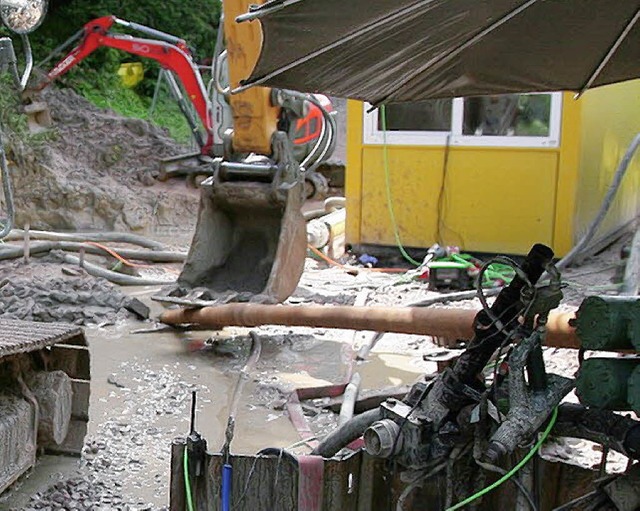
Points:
(196, 21)
(108, 92)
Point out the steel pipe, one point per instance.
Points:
(450, 323)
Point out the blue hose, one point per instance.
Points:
(226, 487)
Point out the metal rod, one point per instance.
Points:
(29, 62)
(193, 412)
(156, 91)
(264, 9)
(26, 244)
(62, 47)
(184, 108)
(451, 323)
(150, 31)
(8, 192)
(610, 53)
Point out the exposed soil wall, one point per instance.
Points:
(96, 172)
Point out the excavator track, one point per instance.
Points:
(44, 393)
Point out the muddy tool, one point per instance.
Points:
(194, 459)
(250, 239)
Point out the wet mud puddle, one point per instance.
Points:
(141, 396)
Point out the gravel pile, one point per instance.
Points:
(77, 300)
(82, 494)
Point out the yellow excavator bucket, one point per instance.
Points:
(250, 239)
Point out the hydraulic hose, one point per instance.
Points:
(113, 276)
(14, 251)
(618, 432)
(490, 325)
(606, 204)
(120, 237)
(347, 433)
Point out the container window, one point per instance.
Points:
(510, 120)
(432, 115)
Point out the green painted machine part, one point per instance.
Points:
(634, 390)
(609, 323)
(604, 382)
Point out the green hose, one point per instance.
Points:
(385, 160)
(187, 483)
(514, 470)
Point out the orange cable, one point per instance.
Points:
(118, 256)
(347, 267)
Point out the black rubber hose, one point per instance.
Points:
(507, 307)
(616, 431)
(278, 451)
(347, 433)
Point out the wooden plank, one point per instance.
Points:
(81, 396)
(73, 360)
(177, 500)
(74, 441)
(266, 483)
(373, 492)
(341, 480)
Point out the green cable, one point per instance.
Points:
(385, 160)
(187, 484)
(515, 469)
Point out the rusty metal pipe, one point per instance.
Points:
(451, 323)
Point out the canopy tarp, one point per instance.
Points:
(387, 51)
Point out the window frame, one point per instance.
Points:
(373, 136)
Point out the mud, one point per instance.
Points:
(96, 170)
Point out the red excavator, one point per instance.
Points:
(258, 148)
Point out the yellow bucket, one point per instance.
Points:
(131, 74)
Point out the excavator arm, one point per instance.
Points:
(174, 56)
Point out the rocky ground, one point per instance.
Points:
(42, 291)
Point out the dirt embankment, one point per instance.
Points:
(95, 171)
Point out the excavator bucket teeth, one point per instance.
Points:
(38, 116)
(249, 243)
